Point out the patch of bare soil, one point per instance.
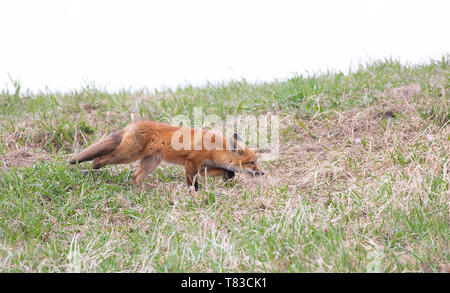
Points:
(346, 146)
(22, 157)
(405, 92)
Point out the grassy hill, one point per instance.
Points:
(361, 184)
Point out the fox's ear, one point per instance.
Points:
(233, 141)
(233, 144)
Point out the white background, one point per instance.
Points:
(63, 45)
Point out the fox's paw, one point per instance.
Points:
(193, 190)
(193, 187)
(228, 176)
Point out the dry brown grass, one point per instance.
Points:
(23, 157)
(363, 188)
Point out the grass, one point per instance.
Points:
(361, 184)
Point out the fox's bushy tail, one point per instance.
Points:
(101, 148)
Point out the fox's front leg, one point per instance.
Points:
(229, 175)
(214, 172)
(191, 170)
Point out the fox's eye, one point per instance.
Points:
(252, 163)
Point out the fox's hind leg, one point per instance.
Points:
(101, 162)
(146, 166)
(111, 159)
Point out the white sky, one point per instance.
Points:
(120, 44)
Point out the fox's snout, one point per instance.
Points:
(254, 170)
(255, 173)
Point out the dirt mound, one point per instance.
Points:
(22, 157)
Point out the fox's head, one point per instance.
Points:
(243, 158)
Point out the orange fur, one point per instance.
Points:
(151, 142)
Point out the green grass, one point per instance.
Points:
(372, 197)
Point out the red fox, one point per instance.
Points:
(153, 142)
